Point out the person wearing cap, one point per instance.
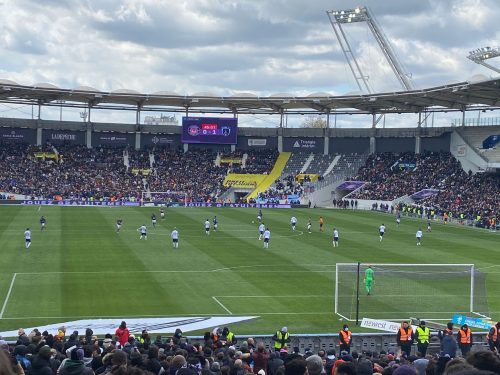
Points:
(405, 338)
(41, 362)
(464, 339)
(422, 336)
(228, 337)
(74, 364)
(448, 331)
(345, 339)
(281, 339)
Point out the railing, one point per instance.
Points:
(471, 121)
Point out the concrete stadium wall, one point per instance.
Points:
(395, 144)
(348, 145)
(360, 342)
(436, 144)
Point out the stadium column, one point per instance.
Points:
(233, 148)
(373, 145)
(417, 144)
(137, 140)
(327, 131)
(39, 136)
(88, 135)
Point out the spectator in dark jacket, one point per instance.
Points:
(41, 363)
(449, 345)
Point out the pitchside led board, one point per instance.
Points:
(214, 130)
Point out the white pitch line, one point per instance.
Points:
(8, 295)
(221, 305)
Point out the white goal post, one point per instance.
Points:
(398, 291)
(163, 197)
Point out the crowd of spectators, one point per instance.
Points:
(193, 172)
(390, 176)
(77, 173)
(100, 173)
(282, 189)
(138, 159)
(43, 353)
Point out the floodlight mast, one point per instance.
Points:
(481, 54)
(362, 14)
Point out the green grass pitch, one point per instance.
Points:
(81, 268)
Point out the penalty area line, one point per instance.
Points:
(8, 295)
(221, 305)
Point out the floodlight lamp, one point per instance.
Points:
(342, 12)
(357, 10)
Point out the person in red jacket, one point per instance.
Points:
(122, 334)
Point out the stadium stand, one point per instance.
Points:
(319, 164)
(391, 176)
(295, 163)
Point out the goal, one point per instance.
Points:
(163, 198)
(401, 291)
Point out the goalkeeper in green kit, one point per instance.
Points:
(369, 280)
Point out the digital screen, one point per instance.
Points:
(215, 130)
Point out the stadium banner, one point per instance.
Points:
(160, 140)
(113, 139)
(472, 322)
(312, 176)
(72, 202)
(137, 325)
(257, 142)
(461, 150)
(18, 135)
(381, 325)
(350, 185)
(425, 193)
(63, 136)
(243, 180)
(296, 144)
(75, 202)
(229, 160)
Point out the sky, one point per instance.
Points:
(227, 47)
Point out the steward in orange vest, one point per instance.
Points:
(345, 339)
(464, 339)
(492, 338)
(405, 338)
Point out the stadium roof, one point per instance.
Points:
(477, 92)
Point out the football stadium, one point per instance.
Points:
(365, 241)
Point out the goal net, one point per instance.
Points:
(400, 291)
(163, 198)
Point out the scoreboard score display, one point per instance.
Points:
(214, 130)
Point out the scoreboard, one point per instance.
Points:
(214, 130)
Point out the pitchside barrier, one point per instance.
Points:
(361, 342)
